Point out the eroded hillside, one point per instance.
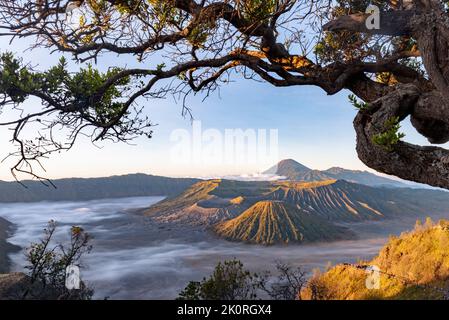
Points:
(271, 222)
(232, 204)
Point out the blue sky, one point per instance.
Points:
(315, 129)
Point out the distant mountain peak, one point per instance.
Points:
(287, 167)
(295, 171)
(287, 163)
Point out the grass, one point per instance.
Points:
(414, 265)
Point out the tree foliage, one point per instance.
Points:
(412, 266)
(184, 47)
(231, 281)
(391, 136)
(48, 262)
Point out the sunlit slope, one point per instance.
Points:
(345, 201)
(197, 192)
(412, 266)
(198, 205)
(338, 200)
(271, 222)
(213, 201)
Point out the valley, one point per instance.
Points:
(150, 247)
(135, 257)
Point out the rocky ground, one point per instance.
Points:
(5, 248)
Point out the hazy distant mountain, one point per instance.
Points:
(288, 167)
(271, 222)
(209, 203)
(293, 170)
(132, 185)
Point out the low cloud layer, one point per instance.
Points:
(136, 259)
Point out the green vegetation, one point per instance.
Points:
(258, 10)
(79, 89)
(359, 105)
(203, 45)
(414, 265)
(229, 281)
(391, 136)
(48, 263)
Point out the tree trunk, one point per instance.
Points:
(428, 107)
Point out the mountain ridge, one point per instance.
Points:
(131, 185)
(209, 203)
(293, 170)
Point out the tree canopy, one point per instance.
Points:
(396, 71)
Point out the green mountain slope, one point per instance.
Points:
(271, 222)
(132, 185)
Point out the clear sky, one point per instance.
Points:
(313, 128)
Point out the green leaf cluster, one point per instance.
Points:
(359, 105)
(229, 281)
(391, 136)
(258, 10)
(81, 91)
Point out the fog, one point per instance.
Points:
(135, 258)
